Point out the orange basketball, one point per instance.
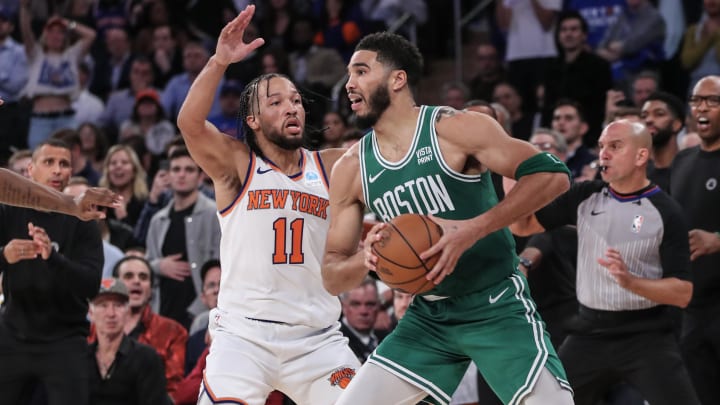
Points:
(399, 264)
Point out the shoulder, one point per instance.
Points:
(668, 207)
(328, 157)
(452, 123)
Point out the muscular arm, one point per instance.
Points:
(216, 153)
(503, 155)
(21, 192)
(488, 144)
(343, 265)
(208, 146)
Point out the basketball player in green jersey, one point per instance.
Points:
(436, 160)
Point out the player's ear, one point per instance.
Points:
(252, 123)
(398, 79)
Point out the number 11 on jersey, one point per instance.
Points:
(280, 255)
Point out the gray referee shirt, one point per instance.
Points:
(647, 228)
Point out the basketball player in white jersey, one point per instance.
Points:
(275, 326)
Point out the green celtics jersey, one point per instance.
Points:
(422, 182)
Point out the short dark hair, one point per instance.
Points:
(572, 103)
(116, 267)
(54, 142)
(212, 263)
(69, 136)
(674, 104)
(396, 52)
(178, 152)
(478, 102)
(573, 15)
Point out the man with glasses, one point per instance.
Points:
(182, 236)
(694, 184)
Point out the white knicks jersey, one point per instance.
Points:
(273, 240)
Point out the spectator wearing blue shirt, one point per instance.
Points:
(195, 56)
(227, 120)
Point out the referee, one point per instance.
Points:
(633, 262)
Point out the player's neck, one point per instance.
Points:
(398, 121)
(288, 161)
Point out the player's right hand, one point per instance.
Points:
(231, 47)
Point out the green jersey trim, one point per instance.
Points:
(408, 155)
(434, 391)
(472, 178)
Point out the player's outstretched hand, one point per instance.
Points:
(457, 237)
(87, 203)
(231, 47)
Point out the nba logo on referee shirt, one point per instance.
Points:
(637, 223)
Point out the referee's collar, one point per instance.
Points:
(644, 192)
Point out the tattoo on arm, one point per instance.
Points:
(24, 196)
(447, 112)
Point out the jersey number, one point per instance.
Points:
(296, 255)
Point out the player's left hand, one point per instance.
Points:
(703, 243)
(41, 240)
(231, 46)
(87, 203)
(617, 268)
(457, 237)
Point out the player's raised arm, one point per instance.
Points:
(208, 146)
(343, 265)
(22, 192)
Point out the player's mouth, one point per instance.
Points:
(355, 101)
(293, 126)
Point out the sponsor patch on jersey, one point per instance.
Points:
(341, 377)
(424, 155)
(312, 178)
(637, 223)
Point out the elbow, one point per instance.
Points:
(559, 184)
(187, 124)
(331, 287)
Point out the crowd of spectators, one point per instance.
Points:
(108, 78)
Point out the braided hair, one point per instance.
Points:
(250, 105)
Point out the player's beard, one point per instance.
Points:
(379, 102)
(287, 143)
(662, 137)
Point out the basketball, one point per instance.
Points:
(399, 264)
